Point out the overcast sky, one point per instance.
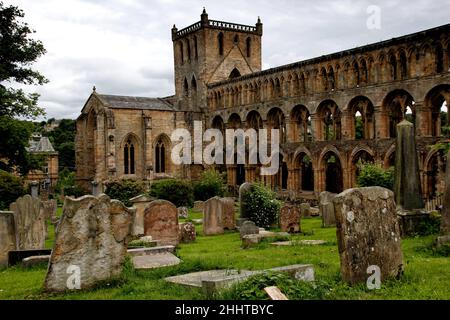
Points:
(124, 47)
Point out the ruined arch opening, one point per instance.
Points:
(437, 102)
(234, 122)
(218, 124)
(361, 158)
(281, 178)
(305, 172)
(333, 173)
(400, 105)
(330, 116)
(185, 88)
(277, 120)
(393, 67)
(301, 124)
(362, 112)
(254, 121)
(403, 65)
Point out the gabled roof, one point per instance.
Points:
(43, 145)
(124, 102)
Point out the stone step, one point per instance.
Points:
(153, 261)
(151, 251)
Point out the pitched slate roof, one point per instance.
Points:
(124, 102)
(40, 144)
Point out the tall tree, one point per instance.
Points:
(17, 52)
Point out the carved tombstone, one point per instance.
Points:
(29, 222)
(7, 236)
(305, 210)
(161, 222)
(91, 243)
(290, 219)
(368, 233)
(140, 203)
(213, 217)
(326, 208)
(248, 228)
(49, 207)
(244, 189)
(228, 219)
(187, 232)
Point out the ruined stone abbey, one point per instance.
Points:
(332, 111)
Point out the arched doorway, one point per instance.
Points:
(400, 105)
(305, 172)
(234, 122)
(361, 158)
(333, 173)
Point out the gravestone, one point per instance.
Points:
(140, 203)
(244, 189)
(29, 222)
(213, 217)
(7, 236)
(50, 207)
(290, 218)
(91, 243)
(228, 219)
(305, 210)
(248, 228)
(326, 208)
(199, 206)
(368, 234)
(183, 213)
(187, 232)
(407, 172)
(444, 240)
(161, 222)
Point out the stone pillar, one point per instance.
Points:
(317, 127)
(382, 123)
(34, 186)
(7, 236)
(407, 178)
(424, 120)
(100, 148)
(445, 225)
(348, 127)
(148, 147)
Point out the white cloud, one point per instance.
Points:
(124, 46)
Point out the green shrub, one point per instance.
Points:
(373, 175)
(430, 226)
(124, 190)
(212, 184)
(261, 206)
(11, 188)
(179, 192)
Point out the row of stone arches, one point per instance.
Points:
(359, 120)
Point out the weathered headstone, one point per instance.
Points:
(7, 236)
(183, 213)
(368, 233)
(161, 222)
(228, 218)
(444, 240)
(199, 206)
(49, 207)
(305, 210)
(247, 228)
(29, 222)
(140, 203)
(326, 208)
(187, 232)
(290, 218)
(407, 172)
(91, 243)
(213, 217)
(244, 189)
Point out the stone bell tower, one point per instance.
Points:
(212, 51)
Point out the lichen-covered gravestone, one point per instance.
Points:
(187, 232)
(30, 223)
(7, 236)
(213, 217)
(161, 222)
(326, 208)
(228, 218)
(290, 219)
(91, 243)
(368, 234)
(248, 228)
(140, 203)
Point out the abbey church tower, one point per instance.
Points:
(211, 51)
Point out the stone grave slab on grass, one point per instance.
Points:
(35, 261)
(16, 256)
(299, 242)
(214, 280)
(160, 260)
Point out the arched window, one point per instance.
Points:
(393, 65)
(160, 156)
(234, 74)
(439, 59)
(196, 47)
(403, 65)
(249, 47)
(129, 158)
(357, 74)
(220, 43)
(186, 88)
(181, 52)
(236, 39)
(188, 49)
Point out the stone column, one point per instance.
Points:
(7, 236)
(407, 178)
(317, 127)
(148, 147)
(100, 148)
(424, 119)
(348, 127)
(382, 123)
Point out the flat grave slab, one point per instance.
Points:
(301, 242)
(159, 260)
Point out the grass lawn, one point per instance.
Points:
(426, 276)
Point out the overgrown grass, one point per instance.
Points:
(426, 273)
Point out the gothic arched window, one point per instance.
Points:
(129, 158)
(249, 47)
(160, 157)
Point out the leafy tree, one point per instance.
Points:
(373, 175)
(211, 184)
(11, 187)
(63, 140)
(17, 52)
(261, 206)
(124, 190)
(179, 192)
